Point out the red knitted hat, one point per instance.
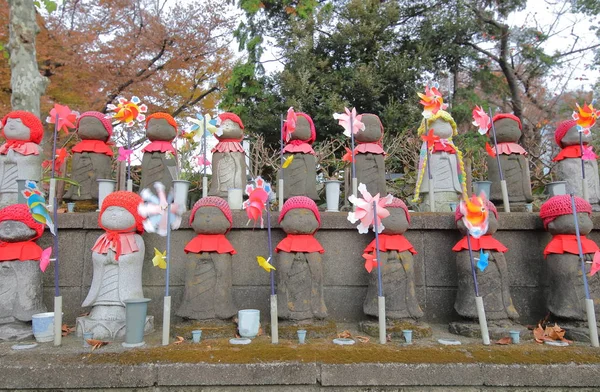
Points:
(213, 201)
(30, 120)
(128, 200)
(397, 203)
(561, 205)
(500, 116)
(100, 116)
(300, 202)
(164, 116)
(21, 213)
(313, 132)
(562, 130)
(233, 117)
(490, 206)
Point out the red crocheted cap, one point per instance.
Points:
(21, 213)
(562, 130)
(313, 131)
(128, 200)
(500, 116)
(233, 117)
(100, 116)
(561, 205)
(164, 116)
(490, 206)
(213, 201)
(30, 120)
(397, 203)
(300, 202)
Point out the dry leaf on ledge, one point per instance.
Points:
(95, 343)
(504, 340)
(344, 335)
(180, 339)
(363, 339)
(66, 330)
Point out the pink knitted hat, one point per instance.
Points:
(490, 206)
(313, 131)
(562, 130)
(561, 205)
(213, 201)
(30, 120)
(397, 203)
(21, 213)
(100, 116)
(300, 202)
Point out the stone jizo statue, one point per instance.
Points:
(228, 160)
(161, 130)
(369, 155)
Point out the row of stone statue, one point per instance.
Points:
(118, 257)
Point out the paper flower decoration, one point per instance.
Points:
(202, 161)
(124, 154)
(344, 121)
(370, 261)
(66, 117)
(288, 161)
(290, 123)
(364, 209)
(481, 120)
(45, 258)
(432, 100)
(264, 263)
(595, 264)
(128, 112)
(198, 126)
(258, 195)
(159, 259)
(430, 139)
(588, 154)
(482, 263)
(490, 150)
(154, 209)
(61, 155)
(37, 205)
(475, 215)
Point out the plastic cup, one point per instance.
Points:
(515, 336)
(196, 335)
(407, 333)
(301, 336)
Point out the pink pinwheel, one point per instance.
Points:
(586, 117)
(364, 209)
(290, 123)
(66, 117)
(344, 121)
(432, 100)
(588, 154)
(202, 161)
(124, 154)
(258, 195)
(45, 258)
(595, 264)
(481, 120)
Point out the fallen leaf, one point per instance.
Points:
(388, 337)
(84, 314)
(95, 343)
(344, 335)
(504, 340)
(363, 339)
(66, 330)
(180, 339)
(538, 334)
(260, 331)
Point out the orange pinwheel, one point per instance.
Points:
(586, 117)
(430, 138)
(128, 112)
(432, 100)
(475, 215)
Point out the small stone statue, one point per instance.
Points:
(565, 296)
(208, 279)
(228, 160)
(447, 168)
(568, 161)
(370, 166)
(397, 268)
(515, 165)
(493, 280)
(20, 275)
(118, 258)
(20, 156)
(300, 268)
(91, 156)
(161, 129)
(300, 176)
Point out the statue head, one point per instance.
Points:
(120, 212)
(442, 123)
(22, 125)
(373, 131)
(232, 126)
(557, 215)
(94, 126)
(398, 220)
(300, 215)
(17, 224)
(161, 126)
(567, 134)
(305, 129)
(508, 128)
(211, 215)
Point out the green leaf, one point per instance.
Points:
(50, 5)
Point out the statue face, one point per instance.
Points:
(15, 231)
(117, 218)
(571, 138)
(565, 224)
(507, 130)
(16, 130)
(299, 221)
(91, 128)
(302, 131)
(441, 128)
(231, 130)
(396, 222)
(210, 220)
(160, 129)
(372, 132)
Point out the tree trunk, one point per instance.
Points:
(26, 82)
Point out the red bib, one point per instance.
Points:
(209, 243)
(391, 242)
(567, 243)
(299, 243)
(485, 242)
(22, 251)
(97, 146)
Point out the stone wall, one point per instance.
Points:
(432, 234)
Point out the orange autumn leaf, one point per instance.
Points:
(95, 343)
(66, 330)
(504, 340)
(180, 339)
(344, 335)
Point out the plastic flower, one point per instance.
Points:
(364, 209)
(128, 112)
(475, 215)
(66, 117)
(586, 117)
(432, 100)
(348, 117)
(124, 154)
(481, 120)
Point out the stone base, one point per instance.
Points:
(497, 329)
(314, 328)
(16, 330)
(211, 329)
(514, 207)
(576, 330)
(395, 328)
(108, 329)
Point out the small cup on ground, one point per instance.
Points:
(301, 336)
(407, 333)
(196, 335)
(515, 336)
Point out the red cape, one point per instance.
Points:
(567, 243)
(443, 147)
(22, 251)
(391, 242)
(486, 242)
(160, 146)
(209, 243)
(97, 146)
(569, 152)
(299, 243)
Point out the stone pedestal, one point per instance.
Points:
(104, 329)
(497, 329)
(395, 327)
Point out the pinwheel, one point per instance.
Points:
(161, 216)
(258, 195)
(62, 117)
(475, 218)
(159, 259)
(481, 120)
(128, 112)
(202, 126)
(37, 205)
(290, 123)
(352, 124)
(432, 100)
(124, 154)
(202, 161)
(595, 264)
(586, 118)
(482, 262)
(45, 258)
(264, 263)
